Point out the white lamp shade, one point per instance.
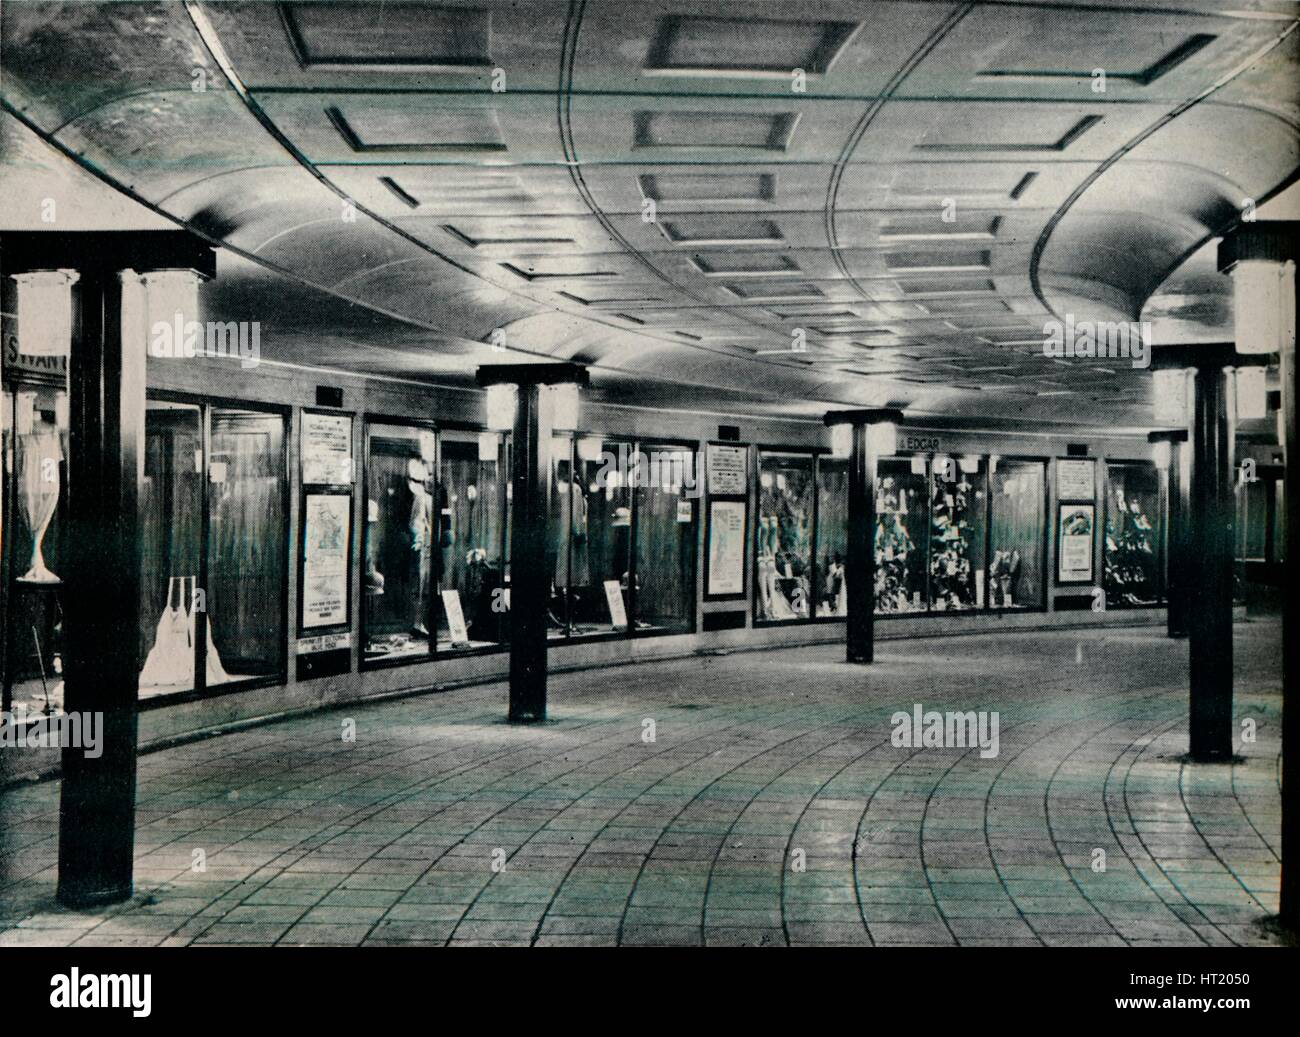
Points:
(590, 448)
(45, 312)
(1161, 453)
(487, 446)
(1263, 305)
(1252, 393)
(841, 440)
(564, 403)
(882, 439)
(502, 402)
(1169, 397)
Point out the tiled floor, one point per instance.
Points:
(769, 808)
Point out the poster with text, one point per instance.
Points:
(326, 449)
(726, 548)
(728, 470)
(326, 534)
(1075, 526)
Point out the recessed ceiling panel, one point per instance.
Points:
(690, 45)
(708, 187)
(1013, 130)
(383, 128)
(719, 230)
(745, 264)
(760, 131)
(398, 34)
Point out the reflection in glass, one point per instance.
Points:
(171, 512)
(246, 546)
(1015, 571)
(470, 539)
(832, 536)
(1132, 554)
(666, 485)
(400, 532)
(901, 534)
(784, 530)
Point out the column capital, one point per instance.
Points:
(533, 374)
(1274, 241)
(1204, 355)
(1168, 435)
(864, 416)
(143, 251)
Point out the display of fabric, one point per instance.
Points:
(170, 662)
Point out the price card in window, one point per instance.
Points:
(455, 617)
(617, 610)
(685, 511)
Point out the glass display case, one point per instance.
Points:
(902, 535)
(1017, 517)
(832, 537)
(590, 537)
(402, 543)
(214, 529)
(1133, 553)
(957, 533)
(783, 550)
(34, 476)
(471, 541)
(665, 513)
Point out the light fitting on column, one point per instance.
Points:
(1263, 304)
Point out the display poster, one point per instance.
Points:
(1075, 524)
(728, 470)
(326, 449)
(726, 547)
(326, 535)
(617, 610)
(1076, 479)
(455, 617)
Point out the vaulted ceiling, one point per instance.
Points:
(755, 205)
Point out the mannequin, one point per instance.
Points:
(420, 527)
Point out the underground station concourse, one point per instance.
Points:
(714, 473)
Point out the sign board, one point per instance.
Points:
(324, 643)
(685, 511)
(728, 468)
(617, 610)
(326, 449)
(1076, 479)
(455, 617)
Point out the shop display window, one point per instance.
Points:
(958, 507)
(33, 497)
(832, 537)
(902, 535)
(1134, 528)
(403, 548)
(1252, 519)
(214, 548)
(471, 540)
(590, 537)
(1017, 495)
(784, 531)
(666, 484)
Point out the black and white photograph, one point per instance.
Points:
(487, 483)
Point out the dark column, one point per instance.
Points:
(1210, 548)
(860, 563)
(101, 603)
(1180, 511)
(1290, 909)
(529, 579)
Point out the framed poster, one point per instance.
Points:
(326, 538)
(1075, 535)
(726, 555)
(326, 449)
(1076, 478)
(728, 468)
